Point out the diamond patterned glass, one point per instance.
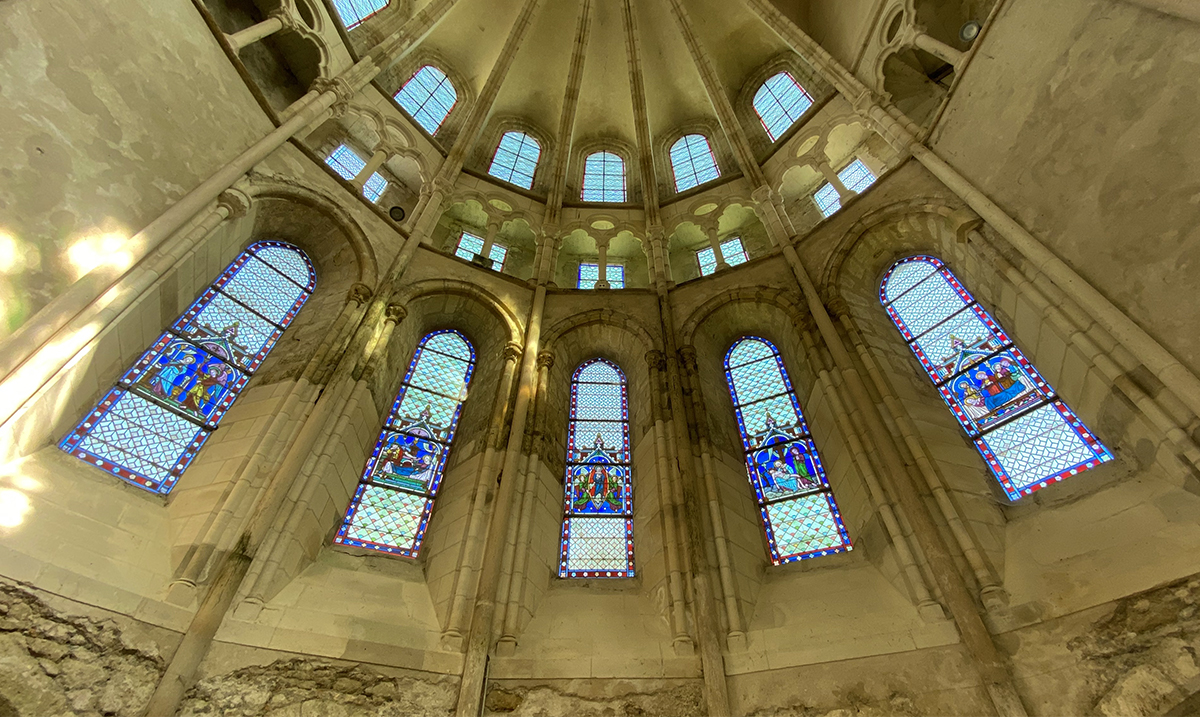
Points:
(693, 162)
(469, 245)
(149, 427)
(799, 513)
(1026, 434)
(855, 177)
(348, 164)
(597, 534)
(779, 103)
(516, 159)
(396, 493)
(589, 274)
(428, 97)
(603, 178)
(731, 249)
(353, 12)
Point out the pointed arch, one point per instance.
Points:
(597, 532)
(799, 513)
(390, 509)
(152, 423)
(1024, 431)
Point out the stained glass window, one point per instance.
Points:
(856, 177)
(428, 97)
(693, 162)
(603, 178)
(779, 103)
(589, 274)
(1025, 432)
(469, 245)
(353, 12)
(391, 508)
(348, 164)
(731, 249)
(150, 425)
(516, 159)
(597, 533)
(799, 513)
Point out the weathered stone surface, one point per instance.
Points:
(596, 698)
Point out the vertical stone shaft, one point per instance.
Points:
(566, 122)
(256, 32)
(641, 118)
(719, 99)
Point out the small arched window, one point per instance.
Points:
(597, 533)
(799, 513)
(693, 162)
(149, 427)
(428, 97)
(1025, 432)
(391, 508)
(516, 159)
(604, 178)
(779, 103)
(353, 12)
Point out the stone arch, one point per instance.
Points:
(393, 79)
(457, 287)
(786, 300)
(609, 317)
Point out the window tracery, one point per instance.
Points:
(390, 509)
(516, 159)
(779, 103)
(799, 513)
(603, 178)
(693, 162)
(1026, 434)
(428, 97)
(597, 533)
(152, 423)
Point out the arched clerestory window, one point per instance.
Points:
(153, 422)
(799, 513)
(693, 162)
(516, 159)
(353, 12)
(1025, 432)
(391, 508)
(603, 178)
(779, 103)
(428, 97)
(597, 533)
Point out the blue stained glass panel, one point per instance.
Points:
(779, 103)
(516, 159)
(800, 515)
(603, 178)
(348, 164)
(149, 427)
(855, 177)
(589, 274)
(428, 97)
(597, 534)
(1025, 433)
(470, 245)
(731, 250)
(693, 162)
(353, 12)
(390, 510)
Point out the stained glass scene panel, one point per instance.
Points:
(150, 426)
(800, 515)
(1027, 436)
(395, 497)
(598, 480)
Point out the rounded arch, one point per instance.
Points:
(608, 317)
(457, 287)
(787, 301)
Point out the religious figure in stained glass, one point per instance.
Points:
(150, 426)
(391, 508)
(1027, 435)
(799, 513)
(597, 535)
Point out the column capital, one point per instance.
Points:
(764, 194)
(545, 359)
(287, 19)
(656, 233)
(340, 86)
(359, 293)
(657, 360)
(395, 313)
(512, 351)
(837, 306)
(235, 201)
(687, 354)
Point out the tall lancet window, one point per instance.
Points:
(798, 510)
(149, 427)
(1027, 435)
(597, 533)
(390, 510)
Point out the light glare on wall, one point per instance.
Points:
(99, 250)
(14, 505)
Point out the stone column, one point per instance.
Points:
(373, 164)
(566, 122)
(917, 37)
(637, 86)
(484, 257)
(469, 551)
(710, 228)
(602, 250)
(275, 22)
(831, 176)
